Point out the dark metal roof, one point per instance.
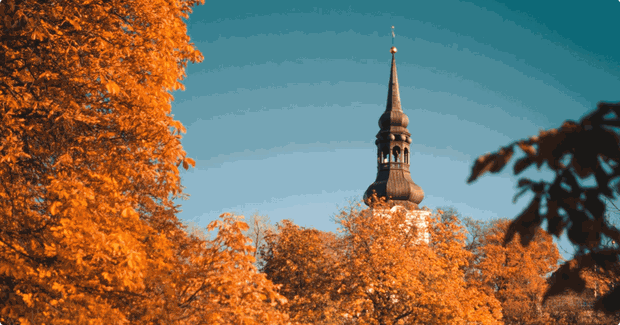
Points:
(393, 99)
(393, 177)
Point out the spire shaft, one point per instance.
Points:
(393, 100)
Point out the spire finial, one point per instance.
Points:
(393, 49)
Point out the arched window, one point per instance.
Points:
(406, 156)
(386, 155)
(396, 154)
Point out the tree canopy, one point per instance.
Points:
(89, 157)
(379, 270)
(305, 262)
(515, 275)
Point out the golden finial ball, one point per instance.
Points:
(393, 50)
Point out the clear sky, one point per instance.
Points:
(281, 116)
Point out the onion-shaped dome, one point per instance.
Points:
(393, 118)
(397, 187)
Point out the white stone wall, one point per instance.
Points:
(417, 218)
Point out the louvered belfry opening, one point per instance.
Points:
(394, 181)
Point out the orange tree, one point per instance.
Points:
(393, 275)
(576, 152)
(89, 157)
(515, 275)
(215, 281)
(381, 269)
(305, 262)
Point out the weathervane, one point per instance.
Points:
(393, 49)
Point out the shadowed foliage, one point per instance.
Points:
(575, 152)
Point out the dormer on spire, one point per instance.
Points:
(394, 181)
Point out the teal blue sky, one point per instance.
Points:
(282, 114)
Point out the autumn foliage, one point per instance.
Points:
(515, 275)
(398, 278)
(306, 263)
(88, 172)
(89, 168)
(379, 270)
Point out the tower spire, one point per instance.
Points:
(393, 180)
(393, 100)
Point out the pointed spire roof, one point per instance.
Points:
(393, 120)
(393, 100)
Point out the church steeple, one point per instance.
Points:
(393, 176)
